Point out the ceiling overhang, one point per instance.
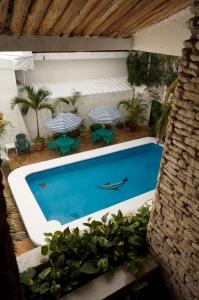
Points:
(78, 25)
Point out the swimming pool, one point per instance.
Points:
(66, 191)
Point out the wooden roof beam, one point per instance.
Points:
(35, 16)
(54, 12)
(70, 12)
(157, 15)
(49, 43)
(104, 16)
(20, 11)
(85, 10)
(3, 13)
(166, 5)
(120, 22)
(101, 5)
(126, 7)
(138, 14)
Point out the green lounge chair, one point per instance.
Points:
(52, 144)
(76, 143)
(22, 144)
(108, 139)
(65, 149)
(95, 137)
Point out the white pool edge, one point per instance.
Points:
(33, 217)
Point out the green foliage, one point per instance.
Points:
(35, 99)
(3, 125)
(136, 108)
(156, 111)
(38, 139)
(71, 100)
(75, 258)
(162, 122)
(95, 126)
(151, 69)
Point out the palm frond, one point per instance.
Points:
(162, 122)
(74, 98)
(63, 100)
(29, 90)
(47, 106)
(42, 94)
(136, 108)
(170, 90)
(24, 102)
(124, 103)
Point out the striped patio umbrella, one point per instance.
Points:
(64, 122)
(104, 115)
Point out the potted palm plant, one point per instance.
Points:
(71, 100)
(136, 108)
(36, 100)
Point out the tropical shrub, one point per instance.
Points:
(162, 122)
(136, 108)
(3, 125)
(151, 69)
(95, 126)
(71, 100)
(36, 100)
(156, 111)
(74, 258)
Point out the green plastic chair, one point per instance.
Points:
(65, 149)
(95, 137)
(22, 144)
(76, 143)
(52, 144)
(108, 139)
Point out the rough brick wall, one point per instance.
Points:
(9, 276)
(173, 231)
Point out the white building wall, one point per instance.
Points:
(64, 70)
(84, 105)
(166, 36)
(68, 67)
(8, 90)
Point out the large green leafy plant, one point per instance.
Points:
(71, 100)
(36, 100)
(75, 258)
(162, 121)
(151, 69)
(136, 108)
(3, 125)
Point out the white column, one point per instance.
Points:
(8, 90)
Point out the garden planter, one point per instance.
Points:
(107, 126)
(113, 283)
(119, 125)
(38, 146)
(75, 133)
(133, 126)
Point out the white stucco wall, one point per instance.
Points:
(8, 90)
(84, 105)
(60, 70)
(63, 67)
(166, 36)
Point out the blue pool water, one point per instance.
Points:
(72, 191)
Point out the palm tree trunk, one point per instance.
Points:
(38, 134)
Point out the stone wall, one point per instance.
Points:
(173, 231)
(9, 276)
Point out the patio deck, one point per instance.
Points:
(20, 237)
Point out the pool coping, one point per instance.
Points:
(37, 224)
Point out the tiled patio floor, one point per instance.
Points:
(20, 237)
